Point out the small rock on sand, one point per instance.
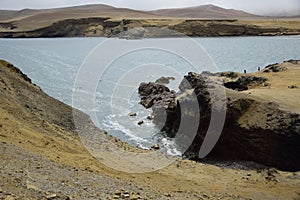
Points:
(51, 196)
(292, 87)
(155, 147)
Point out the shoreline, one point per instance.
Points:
(43, 157)
(153, 28)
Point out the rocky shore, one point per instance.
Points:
(255, 129)
(42, 156)
(153, 28)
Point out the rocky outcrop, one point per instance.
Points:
(244, 82)
(254, 130)
(228, 28)
(70, 28)
(235, 81)
(274, 68)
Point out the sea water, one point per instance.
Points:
(53, 64)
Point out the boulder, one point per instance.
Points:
(155, 147)
(141, 122)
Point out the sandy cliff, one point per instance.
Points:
(155, 28)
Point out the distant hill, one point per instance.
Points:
(206, 11)
(33, 19)
(75, 12)
(29, 19)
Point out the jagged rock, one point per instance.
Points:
(146, 89)
(152, 93)
(254, 130)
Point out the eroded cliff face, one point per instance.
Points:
(210, 28)
(151, 28)
(254, 129)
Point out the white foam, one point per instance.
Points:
(170, 145)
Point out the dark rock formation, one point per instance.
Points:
(234, 81)
(158, 96)
(295, 62)
(274, 68)
(243, 82)
(254, 130)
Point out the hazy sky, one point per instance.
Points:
(253, 6)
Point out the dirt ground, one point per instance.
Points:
(278, 90)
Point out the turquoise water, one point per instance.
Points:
(53, 64)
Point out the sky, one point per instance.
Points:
(291, 7)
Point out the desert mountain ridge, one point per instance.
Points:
(91, 10)
(203, 11)
(100, 20)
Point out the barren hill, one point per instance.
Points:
(205, 11)
(99, 10)
(29, 19)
